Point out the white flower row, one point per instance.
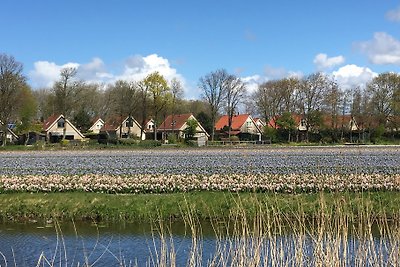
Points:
(160, 183)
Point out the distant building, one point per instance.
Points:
(176, 124)
(98, 123)
(243, 126)
(260, 123)
(10, 135)
(54, 126)
(122, 127)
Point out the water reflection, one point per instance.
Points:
(139, 244)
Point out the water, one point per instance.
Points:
(102, 244)
(138, 244)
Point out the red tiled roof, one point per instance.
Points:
(179, 120)
(147, 121)
(53, 118)
(272, 122)
(328, 121)
(50, 120)
(237, 122)
(95, 119)
(112, 124)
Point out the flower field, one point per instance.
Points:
(285, 170)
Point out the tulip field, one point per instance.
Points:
(285, 170)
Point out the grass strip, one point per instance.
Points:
(205, 205)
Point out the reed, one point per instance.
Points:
(270, 237)
(266, 235)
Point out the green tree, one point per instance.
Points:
(159, 90)
(27, 113)
(287, 124)
(191, 129)
(205, 120)
(82, 120)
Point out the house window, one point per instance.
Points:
(129, 122)
(61, 123)
(303, 123)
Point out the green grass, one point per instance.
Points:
(147, 207)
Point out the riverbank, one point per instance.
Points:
(204, 205)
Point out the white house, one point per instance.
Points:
(54, 127)
(97, 125)
(122, 128)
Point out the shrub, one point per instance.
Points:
(234, 138)
(149, 143)
(172, 139)
(64, 142)
(271, 133)
(128, 142)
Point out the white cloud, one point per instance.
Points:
(94, 71)
(252, 82)
(393, 15)
(322, 61)
(46, 73)
(138, 67)
(383, 49)
(350, 76)
(270, 73)
(134, 68)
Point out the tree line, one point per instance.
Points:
(314, 96)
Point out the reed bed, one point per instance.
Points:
(272, 238)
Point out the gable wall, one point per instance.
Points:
(59, 131)
(249, 127)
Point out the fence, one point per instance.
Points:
(237, 143)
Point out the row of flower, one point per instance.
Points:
(204, 162)
(293, 183)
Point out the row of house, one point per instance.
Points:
(243, 125)
(56, 126)
(346, 122)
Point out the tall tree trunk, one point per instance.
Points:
(4, 136)
(213, 128)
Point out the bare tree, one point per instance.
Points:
(11, 82)
(289, 88)
(384, 92)
(213, 87)
(177, 94)
(144, 102)
(311, 95)
(235, 92)
(124, 100)
(269, 99)
(331, 99)
(63, 91)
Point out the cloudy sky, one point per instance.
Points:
(257, 40)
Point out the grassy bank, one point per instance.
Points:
(145, 207)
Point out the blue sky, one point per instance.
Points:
(256, 40)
